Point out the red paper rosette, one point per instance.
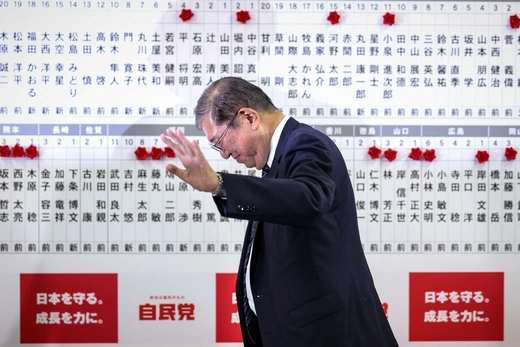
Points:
(482, 156)
(333, 17)
(389, 19)
(415, 154)
(243, 16)
(18, 151)
(186, 14)
(169, 152)
(390, 154)
(510, 153)
(156, 153)
(32, 152)
(374, 152)
(5, 151)
(429, 155)
(141, 153)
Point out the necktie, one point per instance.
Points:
(265, 170)
(247, 309)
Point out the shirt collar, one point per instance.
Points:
(275, 139)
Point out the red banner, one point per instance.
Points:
(465, 306)
(228, 323)
(68, 308)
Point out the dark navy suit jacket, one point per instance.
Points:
(309, 276)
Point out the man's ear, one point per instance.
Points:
(251, 116)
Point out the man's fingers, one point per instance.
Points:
(172, 142)
(185, 143)
(180, 141)
(167, 141)
(196, 149)
(170, 132)
(196, 171)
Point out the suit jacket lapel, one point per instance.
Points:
(288, 128)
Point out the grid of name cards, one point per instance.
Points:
(426, 112)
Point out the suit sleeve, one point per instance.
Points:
(302, 191)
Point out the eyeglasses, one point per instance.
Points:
(216, 145)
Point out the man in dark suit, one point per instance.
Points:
(303, 279)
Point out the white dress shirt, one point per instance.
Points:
(272, 149)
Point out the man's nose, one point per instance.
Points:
(225, 154)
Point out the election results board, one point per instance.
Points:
(99, 244)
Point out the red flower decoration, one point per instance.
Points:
(510, 153)
(390, 154)
(156, 153)
(389, 19)
(482, 156)
(243, 16)
(18, 151)
(333, 17)
(5, 151)
(429, 155)
(186, 14)
(514, 21)
(32, 152)
(415, 154)
(374, 152)
(169, 152)
(141, 153)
